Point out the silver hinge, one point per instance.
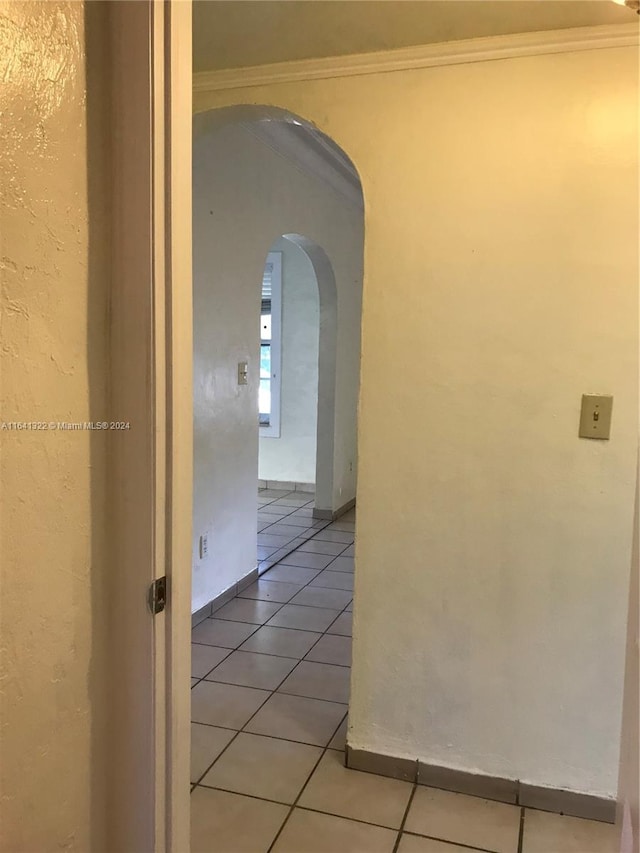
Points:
(158, 595)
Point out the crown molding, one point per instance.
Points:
(422, 56)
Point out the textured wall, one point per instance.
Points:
(500, 283)
(54, 265)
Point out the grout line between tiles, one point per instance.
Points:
(242, 794)
(405, 816)
(454, 844)
(224, 648)
(279, 657)
(271, 737)
(284, 627)
(354, 819)
(302, 790)
(521, 830)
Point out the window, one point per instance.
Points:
(270, 318)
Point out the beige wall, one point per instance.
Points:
(54, 308)
(501, 273)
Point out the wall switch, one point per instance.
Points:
(243, 373)
(595, 416)
(204, 545)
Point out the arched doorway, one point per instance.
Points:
(260, 173)
(271, 655)
(297, 435)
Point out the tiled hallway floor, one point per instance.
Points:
(269, 703)
(285, 521)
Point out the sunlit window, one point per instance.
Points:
(270, 314)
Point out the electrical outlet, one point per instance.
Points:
(204, 545)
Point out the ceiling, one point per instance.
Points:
(240, 33)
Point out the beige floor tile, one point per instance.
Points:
(303, 520)
(310, 832)
(283, 528)
(273, 540)
(204, 658)
(335, 536)
(315, 546)
(319, 681)
(224, 704)
(461, 819)
(307, 560)
(231, 823)
(248, 610)
(333, 580)
(290, 574)
(362, 796)
(342, 625)
(315, 596)
(342, 564)
(252, 670)
(272, 509)
(207, 742)
(286, 642)
(417, 844)
(264, 767)
(339, 740)
(304, 618)
(219, 632)
(332, 648)
(343, 524)
(271, 591)
(296, 718)
(546, 833)
(194, 681)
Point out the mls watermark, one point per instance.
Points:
(63, 426)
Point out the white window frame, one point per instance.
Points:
(272, 429)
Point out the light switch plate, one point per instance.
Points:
(243, 373)
(595, 416)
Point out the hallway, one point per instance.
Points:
(270, 697)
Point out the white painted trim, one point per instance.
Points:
(178, 333)
(136, 789)
(422, 56)
(151, 386)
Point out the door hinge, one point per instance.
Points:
(158, 595)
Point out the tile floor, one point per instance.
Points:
(269, 704)
(285, 521)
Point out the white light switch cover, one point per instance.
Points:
(595, 416)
